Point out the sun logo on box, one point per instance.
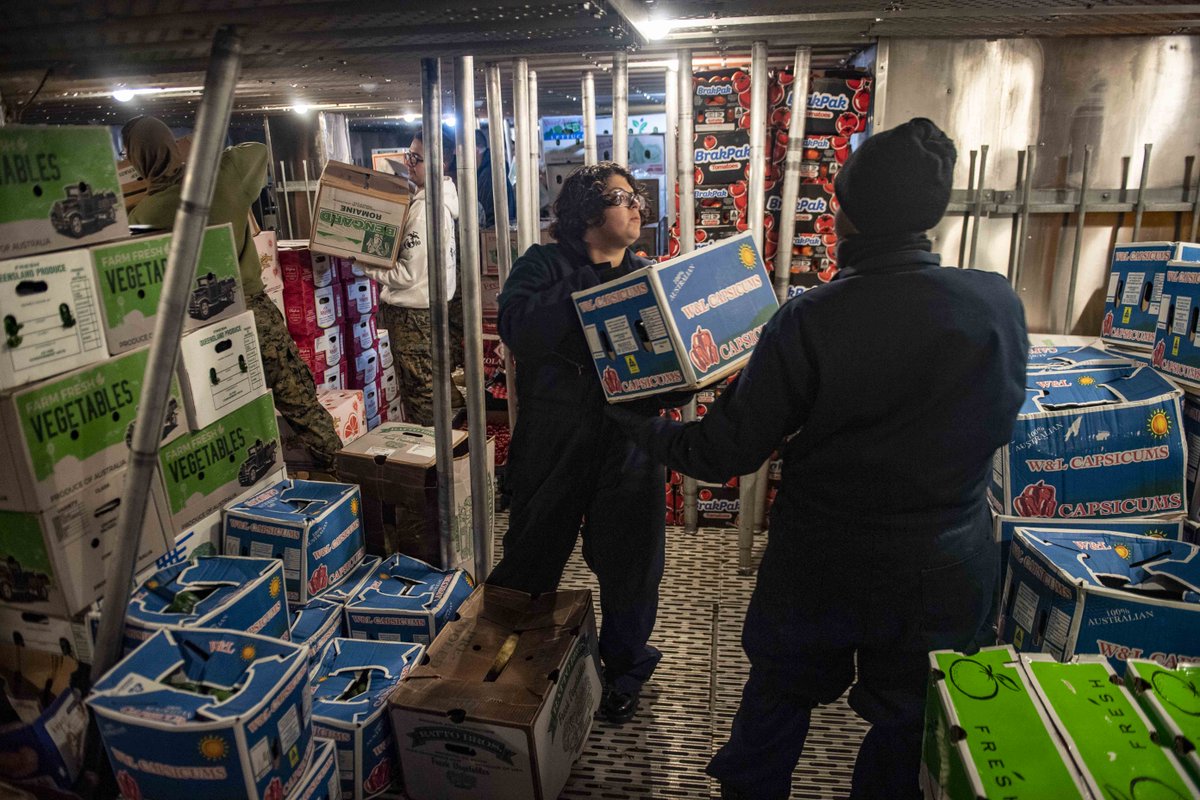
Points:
(1123, 551)
(274, 586)
(746, 256)
(354, 506)
(1086, 380)
(248, 653)
(214, 748)
(1159, 424)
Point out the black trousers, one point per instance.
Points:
(578, 474)
(837, 607)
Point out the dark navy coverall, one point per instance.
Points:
(899, 380)
(569, 464)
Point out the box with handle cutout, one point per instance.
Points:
(1176, 351)
(1135, 290)
(220, 369)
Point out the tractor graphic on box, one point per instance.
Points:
(170, 422)
(83, 210)
(211, 296)
(259, 462)
(21, 585)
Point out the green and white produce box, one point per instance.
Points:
(129, 276)
(1109, 737)
(207, 469)
(1171, 698)
(62, 435)
(987, 736)
(220, 369)
(54, 562)
(51, 318)
(58, 189)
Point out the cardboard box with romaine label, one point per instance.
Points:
(129, 277)
(1171, 699)
(1135, 290)
(217, 714)
(504, 702)
(1105, 442)
(1118, 595)
(220, 369)
(685, 323)
(64, 434)
(51, 317)
(60, 189)
(314, 527)
(204, 470)
(406, 600)
(360, 214)
(350, 692)
(54, 562)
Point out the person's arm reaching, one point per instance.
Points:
(771, 399)
(411, 261)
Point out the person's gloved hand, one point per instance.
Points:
(651, 406)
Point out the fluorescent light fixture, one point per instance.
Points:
(410, 117)
(124, 95)
(657, 28)
(300, 108)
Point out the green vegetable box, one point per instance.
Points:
(1171, 698)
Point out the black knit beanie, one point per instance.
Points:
(898, 181)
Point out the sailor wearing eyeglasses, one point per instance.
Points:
(570, 469)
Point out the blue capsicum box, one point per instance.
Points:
(315, 527)
(316, 624)
(1135, 290)
(350, 697)
(242, 594)
(1118, 595)
(349, 586)
(406, 601)
(1095, 443)
(685, 323)
(1055, 357)
(1176, 350)
(321, 781)
(1191, 436)
(217, 714)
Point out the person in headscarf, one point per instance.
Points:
(154, 153)
(888, 389)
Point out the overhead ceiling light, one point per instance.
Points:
(411, 117)
(448, 119)
(124, 95)
(657, 28)
(300, 108)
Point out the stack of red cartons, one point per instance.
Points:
(313, 307)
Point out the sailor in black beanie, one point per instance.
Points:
(887, 390)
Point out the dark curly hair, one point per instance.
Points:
(580, 204)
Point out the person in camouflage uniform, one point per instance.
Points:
(242, 172)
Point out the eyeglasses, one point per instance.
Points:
(624, 199)
(412, 159)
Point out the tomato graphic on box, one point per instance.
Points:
(703, 351)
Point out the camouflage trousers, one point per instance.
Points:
(288, 377)
(411, 332)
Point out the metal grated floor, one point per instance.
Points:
(662, 752)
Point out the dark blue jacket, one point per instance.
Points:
(896, 383)
(539, 324)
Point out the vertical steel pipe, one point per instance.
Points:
(287, 203)
(1014, 238)
(1140, 207)
(1080, 221)
(748, 489)
(439, 313)
(496, 137)
(962, 239)
(526, 228)
(1023, 242)
(468, 256)
(1195, 212)
(671, 148)
(791, 171)
(200, 178)
(977, 211)
(589, 118)
(686, 180)
(620, 108)
(535, 152)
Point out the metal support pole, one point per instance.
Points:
(589, 118)
(1080, 219)
(977, 213)
(468, 238)
(308, 195)
(1140, 208)
(748, 519)
(670, 156)
(535, 152)
(1023, 242)
(439, 312)
(1015, 236)
(526, 229)
(962, 239)
(686, 179)
(199, 180)
(1195, 212)
(620, 108)
(495, 106)
(287, 202)
(791, 171)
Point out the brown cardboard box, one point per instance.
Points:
(504, 702)
(360, 214)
